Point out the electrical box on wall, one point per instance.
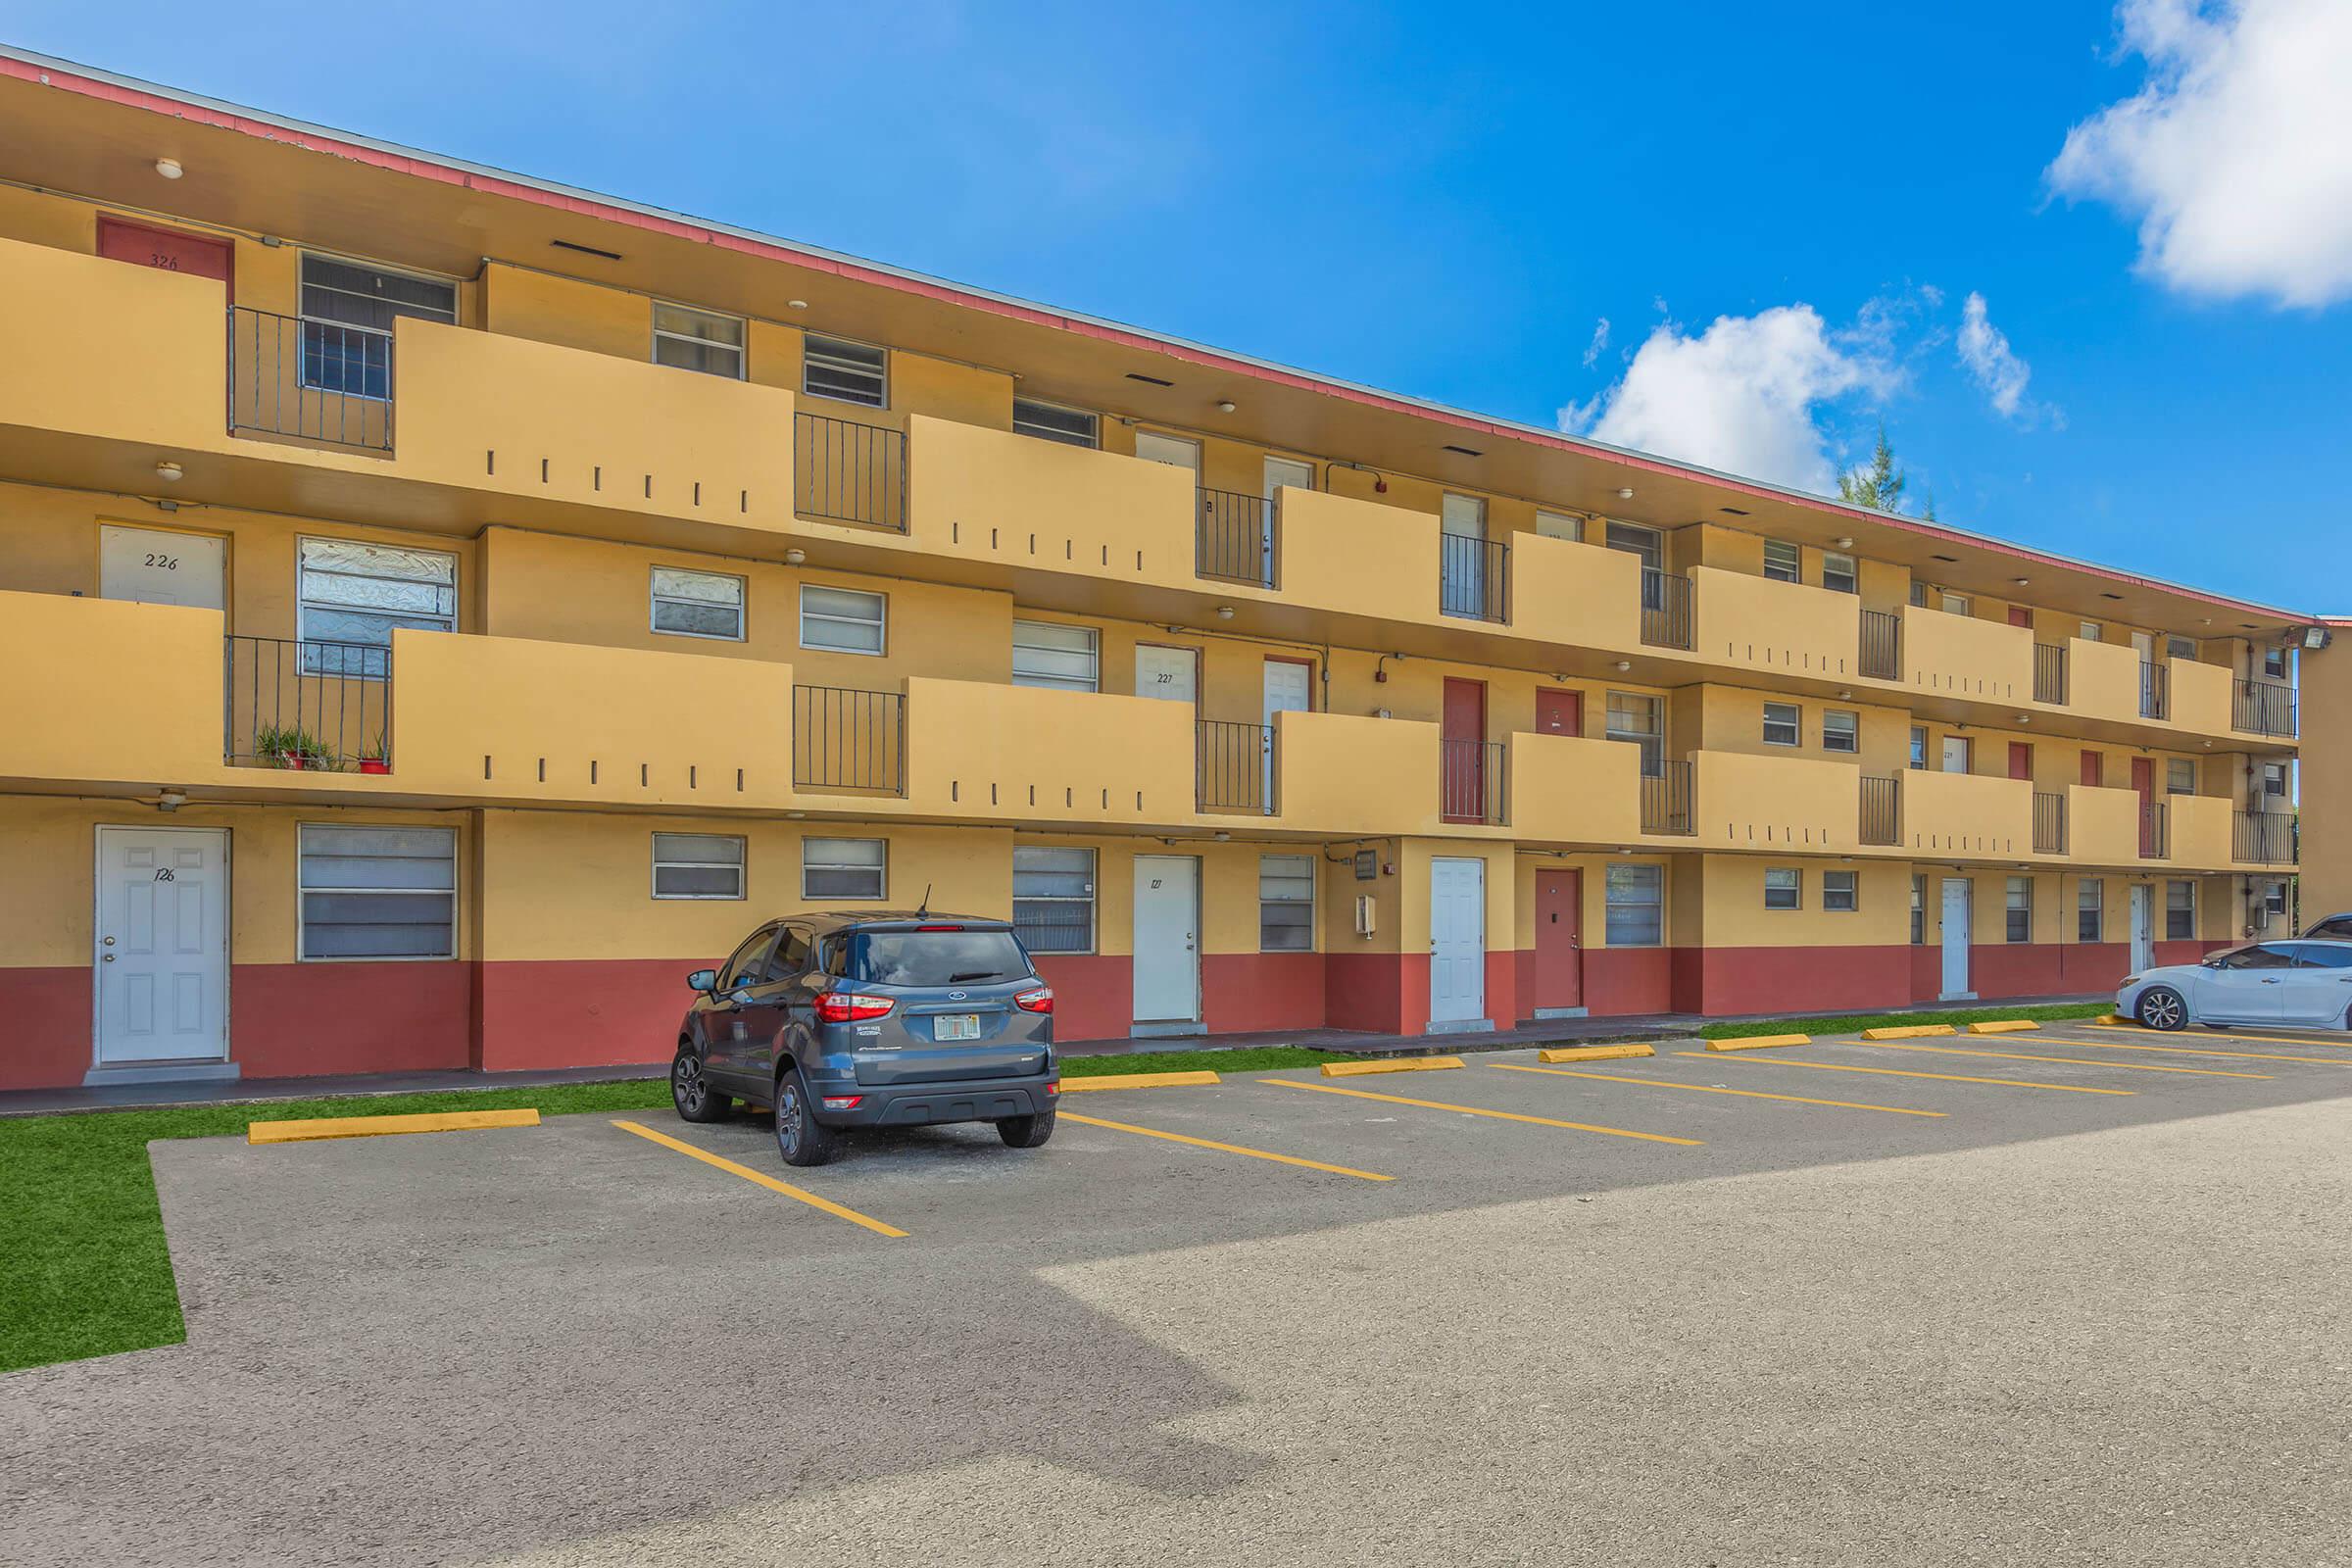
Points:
(1363, 914)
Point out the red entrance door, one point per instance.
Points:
(1559, 712)
(2092, 774)
(2020, 616)
(172, 249)
(1560, 938)
(2021, 760)
(1462, 741)
(2144, 784)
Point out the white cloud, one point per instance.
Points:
(2236, 155)
(1985, 350)
(1600, 341)
(1740, 396)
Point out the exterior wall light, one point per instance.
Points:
(168, 469)
(168, 168)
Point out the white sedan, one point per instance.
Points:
(2304, 983)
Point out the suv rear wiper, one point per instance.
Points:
(976, 974)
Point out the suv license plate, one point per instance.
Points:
(955, 1026)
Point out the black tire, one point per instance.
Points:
(801, 1138)
(2163, 1009)
(1026, 1131)
(692, 1093)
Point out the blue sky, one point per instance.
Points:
(1446, 200)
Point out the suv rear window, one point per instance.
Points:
(936, 957)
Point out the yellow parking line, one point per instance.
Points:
(2230, 1034)
(2200, 1051)
(1710, 1089)
(762, 1179)
(2073, 1061)
(1897, 1072)
(1226, 1148)
(1475, 1111)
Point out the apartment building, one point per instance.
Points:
(440, 608)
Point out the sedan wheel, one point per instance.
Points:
(2161, 1008)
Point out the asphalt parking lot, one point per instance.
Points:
(2078, 1295)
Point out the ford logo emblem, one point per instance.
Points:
(954, 995)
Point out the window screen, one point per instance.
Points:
(698, 340)
(1837, 573)
(697, 866)
(1051, 423)
(1047, 653)
(1780, 725)
(851, 373)
(1781, 561)
(1841, 732)
(1634, 719)
(1636, 906)
(2180, 910)
(697, 603)
(842, 620)
(842, 868)
(2019, 911)
(378, 891)
(1286, 902)
(2088, 907)
(1783, 889)
(1053, 898)
(1837, 890)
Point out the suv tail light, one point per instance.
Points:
(1039, 1001)
(845, 1006)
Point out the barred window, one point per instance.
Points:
(698, 865)
(698, 603)
(378, 891)
(1636, 906)
(1286, 902)
(843, 868)
(1053, 898)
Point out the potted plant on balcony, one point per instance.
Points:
(289, 746)
(375, 758)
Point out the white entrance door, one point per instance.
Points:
(1172, 674)
(162, 951)
(1168, 449)
(1462, 556)
(1958, 911)
(1167, 939)
(1956, 756)
(2143, 926)
(159, 567)
(1279, 473)
(1290, 689)
(1457, 940)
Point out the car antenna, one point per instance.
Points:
(923, 909)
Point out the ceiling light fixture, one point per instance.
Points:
(793, 558)
(1622, 665)
(1625, 492)
(1847, 543)
(796, 305)
(170, 800)
(1225, 406)
(1224, 611)
(2019, 581)
(168, 168)
(168, 469)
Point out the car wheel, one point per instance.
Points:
(1026, 1131)
(692, 1093)
(800, 1138)
(2161, 1008)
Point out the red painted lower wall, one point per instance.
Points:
(1366, 991)
(1094, 993)
(1245, 991)
(587, 1012)
(46, 1043)
(296, 1020)
(1626, 980)
(1734, 980)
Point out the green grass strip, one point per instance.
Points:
(88, 1274)
(1894, 1020)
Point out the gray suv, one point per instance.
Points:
(872, 1020)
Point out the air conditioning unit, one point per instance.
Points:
(1363, 914)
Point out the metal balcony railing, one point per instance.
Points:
(1233, 538)
(2265, 836)
(1470, 781)
(1666, 614)
(1473, 577)
(1666, 800)
(1882, 810)
(2155, 701)
(1882, 644)
(2264, 707)
(844, 471)
(306, 706)
(1233, 766)
(849, 740)
(2049, 823)
(2155, 838)
(2049, 672)
(320, 381)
